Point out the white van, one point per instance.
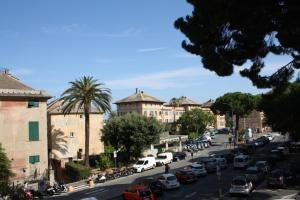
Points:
(164, 158)
(241, 161)
(144, 164)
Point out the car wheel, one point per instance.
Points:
(154, 166)
(142, 170)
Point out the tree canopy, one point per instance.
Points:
(195, 121)
(226, 34)
(282, 109)
(237, 103)
(82, 94)
(131, 133)
(5, 173)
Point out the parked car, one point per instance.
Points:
(241, 161)
(144, 164)
(198, 169)
(210, 164)
(276, 154)
(255, 174)
(281, 178)
(169, 181)
(179, 156)
(155, 186)
(241, 185)
(263, 166)
(138, 192)
(269, 136)
(222, 162)
(164, 158)
(185, 176)
(283, 150)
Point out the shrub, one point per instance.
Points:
(104, 161)
(193, 135)
(76, 171)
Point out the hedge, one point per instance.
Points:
(77, 172)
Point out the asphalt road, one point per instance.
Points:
(205, 188)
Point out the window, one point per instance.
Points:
(33, 104)
(155, 113)
(166, 113)
(34, 159)
(145, 113)
(33, 131)
(176, 113)
(151, 113)
(72, 134)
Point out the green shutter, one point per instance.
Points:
(33, 104)
(34, 159)
(33, 131)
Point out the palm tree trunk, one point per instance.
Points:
(87, 134)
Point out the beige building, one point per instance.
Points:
(67, 141)
(220, 121)
(147, 105)
(23, 126)
(254, 121)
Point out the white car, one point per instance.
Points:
(164, 158)
(144, 164)
(169, 181)
(198, 169)
(269, 136)
(241, 185)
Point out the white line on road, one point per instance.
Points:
(96, 191)
(190, 195)
(291, 196)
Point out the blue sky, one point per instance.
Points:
(126, 44)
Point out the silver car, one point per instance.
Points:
(241, 185)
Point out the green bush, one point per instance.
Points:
(104, 161)
(76, 171)
(193, 135)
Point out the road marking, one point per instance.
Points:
(190, 195)
(289, 196)
(96, 191)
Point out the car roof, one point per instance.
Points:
(252, 168)
(241, 156)
(137, 187)
(167, 175)
(196, 165)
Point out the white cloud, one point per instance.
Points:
(150, 49)
(180, 78)
(186, 55)
(70, 27)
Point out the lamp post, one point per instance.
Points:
(232, 121)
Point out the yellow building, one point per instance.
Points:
(23, 127)
(147, 105)
(67, 141)
(220, 121)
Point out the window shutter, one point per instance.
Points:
(33, 131)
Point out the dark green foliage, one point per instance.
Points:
(5, 173)
(77, 171)
(237, 103)
(282, 109)
(106, 159)
(195, 121)
(228, 33)
(131, 133)
(82, 94)
(174, 102)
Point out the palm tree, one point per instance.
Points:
(84, 93)
(174, 102)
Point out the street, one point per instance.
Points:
(205, 188)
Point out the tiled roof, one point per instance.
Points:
(208, 104)
(12, 87)
(139, 96)
(55, 107)
(185, 101)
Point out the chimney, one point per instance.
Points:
(6, 71)
(136, 90)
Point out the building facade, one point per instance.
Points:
(67, 133)
(147, 105)
(23, 127)
(254, 121)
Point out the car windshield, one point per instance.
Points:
(238, 182)
(198, 167)
(145, 193)
(251, 171)
(161, 157)
(140, 162)
(239, 160)
(171, 178)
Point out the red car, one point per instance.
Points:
(186, 176)
(138, 192)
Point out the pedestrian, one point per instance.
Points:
(230, 140)
(167, 168)
(192, 154)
